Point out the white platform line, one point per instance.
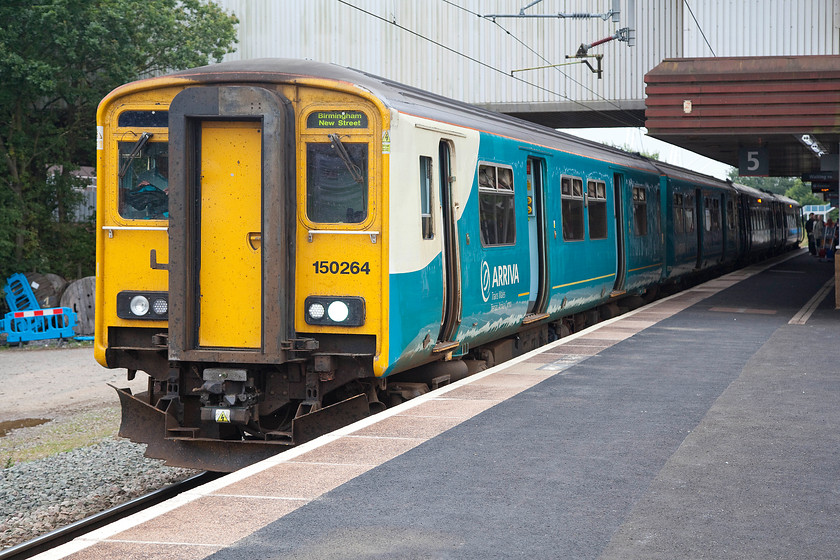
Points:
(808, 309)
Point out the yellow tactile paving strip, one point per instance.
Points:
(198, 523)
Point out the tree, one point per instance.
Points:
(60, 58)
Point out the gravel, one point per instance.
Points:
(39, 496)
(60, 457)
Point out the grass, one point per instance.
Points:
(59, 435)
(45, 344)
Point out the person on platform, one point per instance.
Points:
(829, 237)
(809, 229)
(819, 230)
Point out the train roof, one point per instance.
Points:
(414, 101)
(756, 194)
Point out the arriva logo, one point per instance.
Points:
(502, 275)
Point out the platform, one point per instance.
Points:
(705, 425)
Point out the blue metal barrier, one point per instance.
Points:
(39, 324)
(27, 321)
(19, 295)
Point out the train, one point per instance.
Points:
(286, 246)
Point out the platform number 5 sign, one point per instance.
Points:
(754, 162)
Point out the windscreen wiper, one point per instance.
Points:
(345, 157)
(135, 149)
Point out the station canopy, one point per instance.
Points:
(782, 112)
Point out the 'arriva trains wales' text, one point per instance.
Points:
(500, 276)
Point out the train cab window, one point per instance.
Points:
(144, 119)
(571, 192)
(596, 192)
(337, 182)
(426, 225)
(496, 205)
(640, 224)
(144, 179)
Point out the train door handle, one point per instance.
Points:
(255, 240)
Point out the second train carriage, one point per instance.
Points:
(278, 239)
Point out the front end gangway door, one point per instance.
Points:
(232, 222)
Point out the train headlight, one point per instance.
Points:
(345, 311)
(139, 305)
(149, 306)
(338, 311)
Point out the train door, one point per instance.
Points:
(230, 232)
(744, 225)
(451, 316)
(701, 227)
(538, 292)
(620, 233)
(722, 222)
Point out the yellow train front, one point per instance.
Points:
(228, 200)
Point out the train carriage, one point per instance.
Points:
(285, 246)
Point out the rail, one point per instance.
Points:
(66, 534)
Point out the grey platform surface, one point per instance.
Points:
(712, 434)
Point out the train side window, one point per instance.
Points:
(716, 223)
(337, 182)
(689, 213)
(427, 225)
(679, 214)
(571, 193)
(730, 215)
(496, 205)
(596, 192)
(707, 211)
(640, 225)
(144, 180)
(712, 214)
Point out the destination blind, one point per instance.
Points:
(337, 119)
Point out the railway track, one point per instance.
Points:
(83, 526)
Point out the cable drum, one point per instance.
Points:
(80, 296)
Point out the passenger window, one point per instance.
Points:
(679, 214)
(597, 202)
(571, 193)
(144, 179)
(336, 182)
(640, 225)
(689, 213)
(712, 214)
(730, 215)
(496, 205)
(426, 226)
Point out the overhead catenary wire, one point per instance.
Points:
(547, 61)
(484, 64)
(699, 28)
